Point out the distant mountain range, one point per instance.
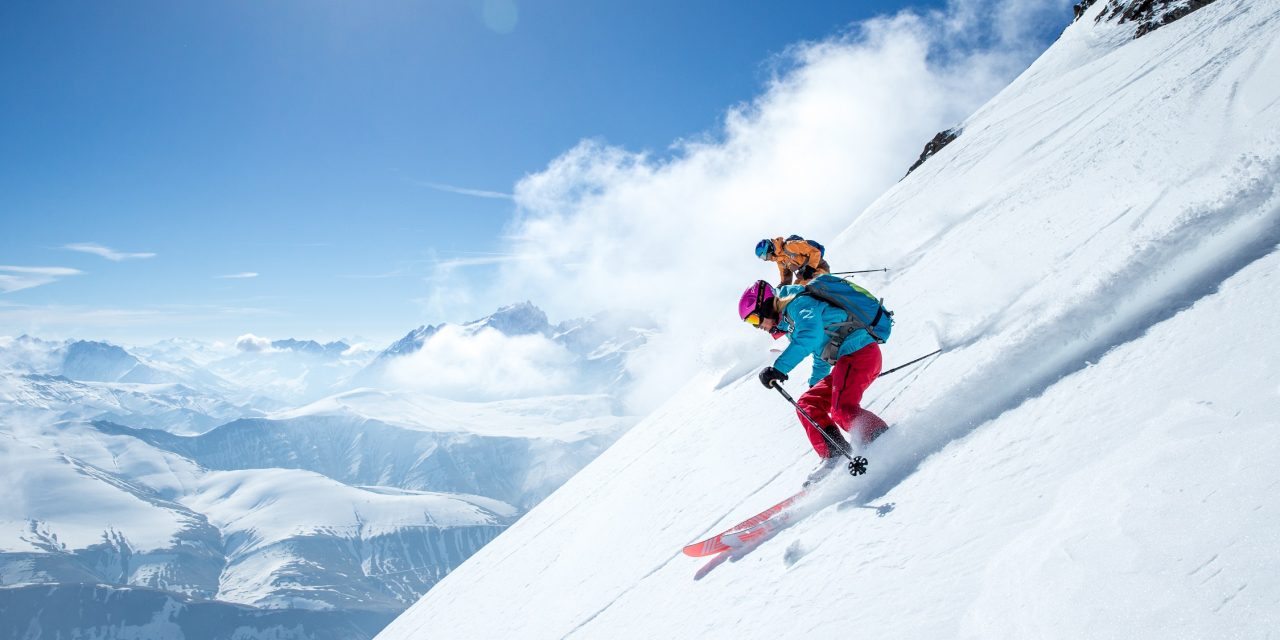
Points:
(261, 488)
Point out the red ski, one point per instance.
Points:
(743, 532)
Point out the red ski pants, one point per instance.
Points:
(836, 399)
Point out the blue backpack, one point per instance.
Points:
(821, 249)
(865, 312)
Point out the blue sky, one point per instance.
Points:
(338, 150)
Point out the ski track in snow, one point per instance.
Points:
(1190, 263)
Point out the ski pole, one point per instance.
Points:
(845, 273)
(857, 464)
(901, 366)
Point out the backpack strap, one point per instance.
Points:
(879, 314)
(836, 335)
(854, 316)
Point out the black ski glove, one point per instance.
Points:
(806, 272)
(770, 377)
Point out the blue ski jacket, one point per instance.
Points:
(805, 320)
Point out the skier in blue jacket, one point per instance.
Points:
(835, 392)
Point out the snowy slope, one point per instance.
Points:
(81, 501)
(91, 506)
(68, 519)
(296, 539)
(98, 505)
(1092, 457)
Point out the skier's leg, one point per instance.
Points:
(869, 426)
(850, 378)
(816, 402)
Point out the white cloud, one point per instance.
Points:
(604, 227)
(253, 344)
(486, 365)
(19, 278)
(475, 193)
(360, 349)
(238, 276)
(106, 252)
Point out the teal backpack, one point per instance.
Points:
(865, 312)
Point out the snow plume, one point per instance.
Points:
(484, 365)
(250, 343)
(672, 234)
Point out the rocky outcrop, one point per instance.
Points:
(1148, 15)
(935, 145)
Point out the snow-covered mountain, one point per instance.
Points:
(172, 407)
(518, 465)
(322, 520)
(513, 320)
(266, 374)
(1091, 456)
(240, 514)
(103, 364)
(289, 372)
(335, 348)
(87, 380)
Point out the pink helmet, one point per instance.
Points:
(755, 296)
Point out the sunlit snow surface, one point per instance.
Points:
(1094, 456)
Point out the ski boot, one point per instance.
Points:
(837, 446)
(835, 455)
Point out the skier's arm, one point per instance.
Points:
(820, 370)
(806, 337)
(784, 274)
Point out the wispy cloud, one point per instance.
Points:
(80, 320)
(18, 278)
(454, 263)
(398, 273)
(476, 193)
(238, 276)
(106, 252)
(442, 267)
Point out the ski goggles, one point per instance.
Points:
(753, 319)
